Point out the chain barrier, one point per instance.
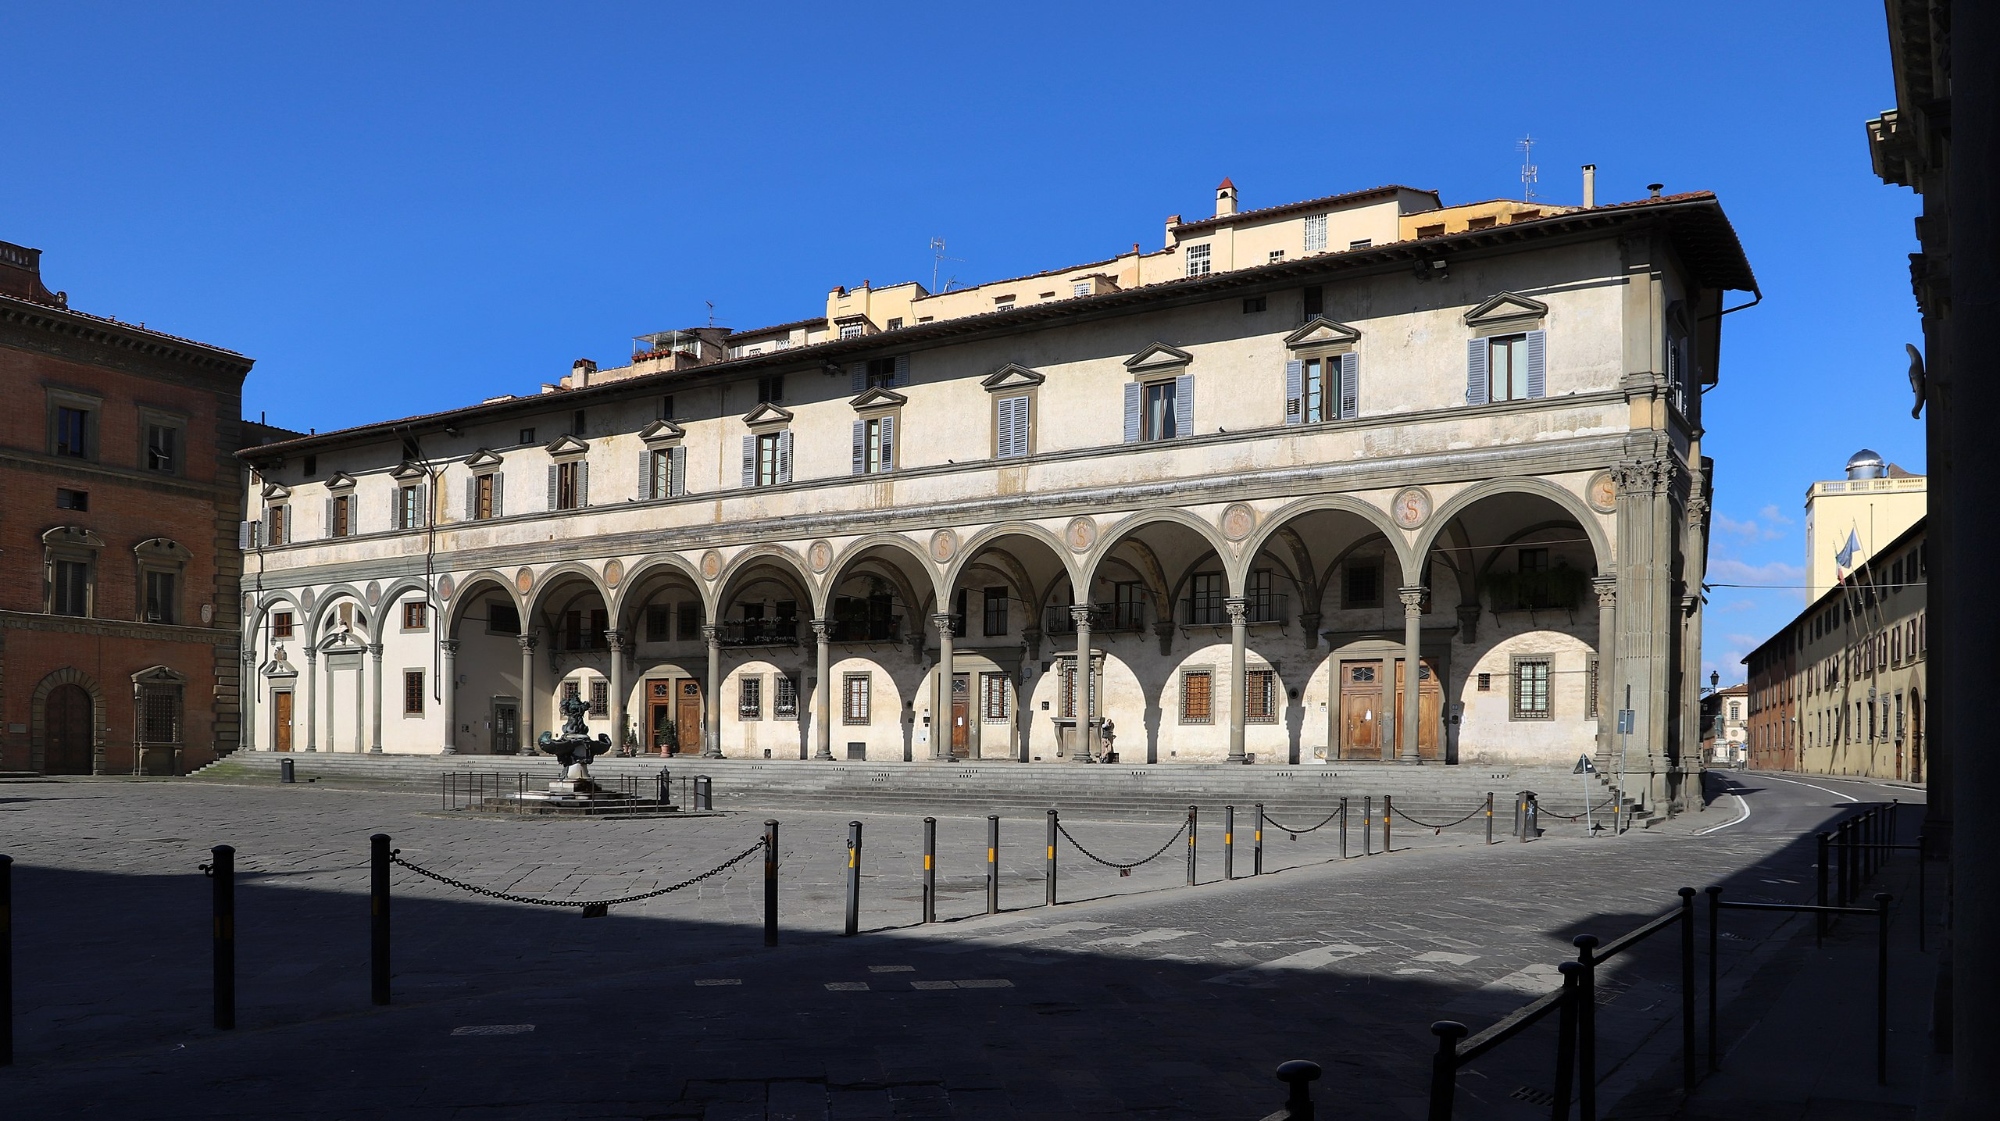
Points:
(1476, 811)
(1064, 830)
(1578, 817)
(396, 858)
(1283, 828)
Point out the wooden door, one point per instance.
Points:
(1430, 704)
(281, 720)
(67, 719)
(687, 714)
(663, 731)
(961, 711)
(1360, 710)
(506, 728)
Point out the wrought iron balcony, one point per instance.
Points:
(761, 632)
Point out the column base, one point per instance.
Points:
(449, 751)
(825, 753)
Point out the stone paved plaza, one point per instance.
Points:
(1136, 997)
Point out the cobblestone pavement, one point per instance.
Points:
(1137, 997)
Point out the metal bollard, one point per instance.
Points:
(1489, 817)
(1257, 844)
(285, 771)
(770, 881)
(378, 918)
(6, 960)
(1051, 877)
(1343, 829)
(1298, 1076)
(992, 864)
(1566, 1040)
(1388, 820)
(1586, 1027)
(1367, 824)
(704, 792)
(221, 872)
(1821, 937)
(1444, 1068)
(1229, 842)
(665, 783)
(930, 869)
(1194, 823)
(853, 924)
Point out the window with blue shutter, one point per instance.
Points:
(785, 457)
(1475, 372)
(1184, 405)
(750, 461)
(860, 464)
(1133, 402)
(677, 472)
(649, 466)
(1011, 439)
(1294, 390)
(888, 443)
(1350, 386)
(1515, 367)
(1538, 364)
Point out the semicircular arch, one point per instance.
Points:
(1569, 503)
(468, 592)
(1374, 515)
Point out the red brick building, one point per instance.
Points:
(119, 561)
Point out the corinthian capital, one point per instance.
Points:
(1413, 599)
(1238, 610)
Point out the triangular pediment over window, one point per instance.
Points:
(879, 398)
(1505, 308)
(484, 457)
(159, 675)
(407, 472)
(661, 432)
(1158, 356)
(1013, 376)
(567, 445)
(767, 414)
(276, 492)
(340, 480)
(1321, 331)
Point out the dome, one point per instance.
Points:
(1865, 464)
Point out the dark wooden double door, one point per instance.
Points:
(673, 716)
(1364, 695)
(68, 724)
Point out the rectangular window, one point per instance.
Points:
(72, 435)
(600, 697)
(1361, 243)
(784, 697)
(576, 423)
(688, 621)
(659, 623)
(1160, 420)
(482, 498)
(1253, 304)
(1197, 260)
(881, 373)
(1363, 585)
(1313, 300)
(160, 714)
(895, 324)
(660, 473)
(1315, 233)
(1530, 689)
(993, 698)
(67, 499)
(409, 507)
(854, 699)
(569, 489)
(1315, 389)
(1205, 594)
(850, 330)
(771, 390)
(1507, 368)
(1003, 303)
(502, 617)
(749, 697)
(1197, 696)
(281, 624)
(343, 516)
(160, 597)
(413, 616)
(527, 436)
(71, 592)
(1274, 256)
(1011, 426)
(1080, 288)
(871, 445)
(413, 692)
(1590, 686)
(996, 612)
(1128, 606)
(310, 466)
(767, 459)
(277, 521)
(162, 448)
(1261, 592)
(1260, 705)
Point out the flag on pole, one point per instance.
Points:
(1845, 557)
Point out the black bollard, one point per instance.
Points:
(704, 792)
(1053, 823)
(378, 918)
(1368, 825)
(992, 864)
(1229, 842)
(1444, 1068)
(770, 880)
(853, 924)
(222, 932)
(1194, 823)
(1489, 817)
(930, 869)
(285, 771)
(1257, 844)
(6, 960)
(1298, 1076)
(1566, 1040)
(1586, 1026)
(1388, 820)
(1343, 829)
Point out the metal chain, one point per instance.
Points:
(1476, 811)
(1064, 830)
(512, 898)
(1283, 828)
(1577, 817)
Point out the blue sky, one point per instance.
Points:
(401, 208)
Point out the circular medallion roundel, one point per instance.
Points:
(614, 571)
(1238, 520)
(374, 592)
(819, 556)
(944, 545)
(1411, 508)
(1081, 533)
(249, 603)
(445, 587)
(1602, 493)
(307, 600)
(711, 565)
(524, 580)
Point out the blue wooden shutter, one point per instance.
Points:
(1295, 371)
(1475, 372)
(1538, 364)
(499, 484)
(396, 506)
(677, 470)
(329, 518)
(1184, 405)
(1350, 385)
(244, 534)
(582, 483)
(552, 486)
(858, 372)
(888, 443)
(1023, 420)
(1133, 392)
(472, 498)
(749, 461)
(902, 374)
(423, 506)
(646, 463)
(860, 447)
(785, 456)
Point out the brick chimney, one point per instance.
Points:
(21, 275)
(1225, 199)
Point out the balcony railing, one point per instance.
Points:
(1272, 608)
(867, 630)
(761, 632)
(1104, 618)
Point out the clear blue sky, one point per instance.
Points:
(397, 208)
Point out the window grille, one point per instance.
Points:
(1197, 697)
(413, 616)
(854, 699)
(785, 697)
(160, 714)
(600, 697)
(413, 692)
(1315, 233)
(1530, 689)
(993, 698)
(1197, 260)
(1259, 704)
(281, 624)
(749, 697)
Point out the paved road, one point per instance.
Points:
(1146, 999)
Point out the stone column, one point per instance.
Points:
(1239, 683)
(1413, 672)
(615, 640)
(448, 689)
(1646, 627)
(1086, 686)
(375, 722)
(527, 643)
(711, 747)
(1606, 588)
(312, 699)
(360, 704)
(823, 696)
(941, 694)
(248, 736)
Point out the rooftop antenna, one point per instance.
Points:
(938, 258)
(711, 312)
(1530, 174)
